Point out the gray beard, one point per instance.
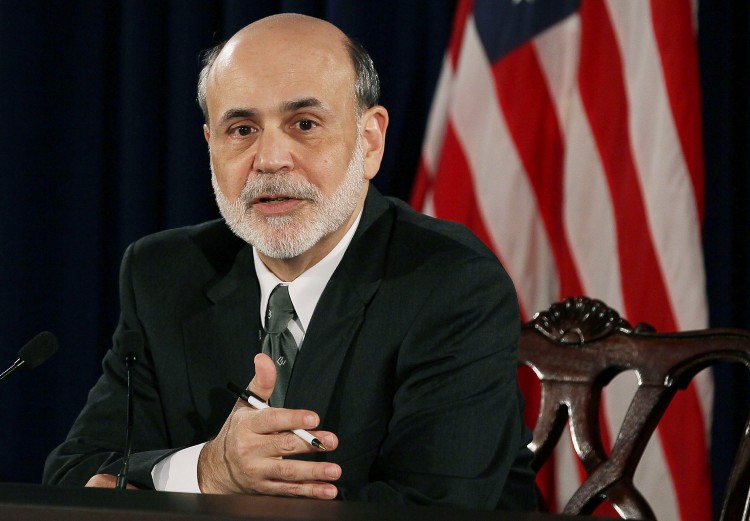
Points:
(288, 236)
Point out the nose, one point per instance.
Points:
(272, 153)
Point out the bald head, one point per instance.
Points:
(284, 38)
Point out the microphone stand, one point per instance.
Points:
(18, 363)
(122, 475)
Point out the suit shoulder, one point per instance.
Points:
(420, 232)
(212, 242)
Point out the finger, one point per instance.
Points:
(105, 481)
(289, 443)
(298, 478)
(328, 439)
(273, 420)
(102, 481)
(311, 490)
(279, 444)
(265, 376)
(290, 470)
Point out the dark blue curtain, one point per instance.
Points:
(101, 143)
(724, 53)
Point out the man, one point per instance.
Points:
(404, 327)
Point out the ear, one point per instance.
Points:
(206, 132)
(374, 124)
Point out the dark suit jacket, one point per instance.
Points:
(410, 358)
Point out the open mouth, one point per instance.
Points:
(273, 199)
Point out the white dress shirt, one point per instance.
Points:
(178, 472)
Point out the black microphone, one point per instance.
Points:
(132, 343)
(36, 351)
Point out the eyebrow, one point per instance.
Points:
(304, 103)
(238, 114)
(287, 106)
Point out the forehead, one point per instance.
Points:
(270, 68)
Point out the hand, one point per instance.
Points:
(106, 481)
(246, 456)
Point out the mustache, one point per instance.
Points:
(287, 185)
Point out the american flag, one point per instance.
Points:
(566, 135)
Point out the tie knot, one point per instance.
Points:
(280, 310)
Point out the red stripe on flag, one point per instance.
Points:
(683, 420)
(454, 196)
(673, 28)
(602, 88)
(532, 122)
(683, 437)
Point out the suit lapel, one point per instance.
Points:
(222, 338)
(340, 311)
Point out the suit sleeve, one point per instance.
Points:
(96, 441)
(456, 436)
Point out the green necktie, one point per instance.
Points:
(279, 343)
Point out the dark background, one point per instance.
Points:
(101, 143)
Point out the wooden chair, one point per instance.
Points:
(576, 348)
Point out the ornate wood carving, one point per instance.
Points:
(577, 320)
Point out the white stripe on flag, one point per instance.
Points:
(505, 197)
(652, 479)
(588, 214)
(665, 181)
(557, 50)
(438, 120)
(567, 470)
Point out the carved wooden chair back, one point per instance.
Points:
(576, 348)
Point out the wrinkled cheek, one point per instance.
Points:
(230, 183)
(231, 169)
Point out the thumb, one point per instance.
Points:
(265, 376)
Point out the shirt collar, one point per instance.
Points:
(305, 290)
